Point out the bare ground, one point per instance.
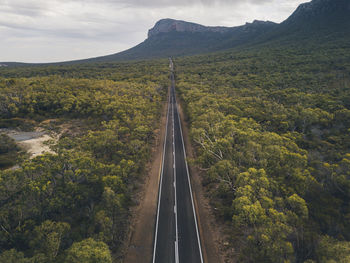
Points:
(141, 234)
(32, 142)
(36, 146)
(36, 142)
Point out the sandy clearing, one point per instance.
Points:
(32, 142)
(36, 146)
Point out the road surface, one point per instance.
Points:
(176, 234)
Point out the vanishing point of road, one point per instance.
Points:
(176, 234)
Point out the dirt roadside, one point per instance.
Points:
(212, 237)
(140, 244)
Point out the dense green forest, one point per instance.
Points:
(270, 127)
(73, 205)
(271, 131)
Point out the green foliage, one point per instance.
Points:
(12, 256)
(48, 238)
(88, 251)
(331, 250)
(73, 205)
(257, 215)
(9, 151)
(271, 131)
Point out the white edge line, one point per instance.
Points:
(160, 183)
(189, 183)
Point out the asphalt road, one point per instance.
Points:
(176, 233)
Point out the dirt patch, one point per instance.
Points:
(140, 243)
(33, 142)
(37, 146)
(213, 239)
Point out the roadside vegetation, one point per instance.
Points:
(10, 152)
(271, 131)
(73, 205)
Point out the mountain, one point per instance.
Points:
(321, 14)
(316, 23)
(318, 20)
(178, 38)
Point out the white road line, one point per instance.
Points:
(176, 252)
(189, 184)
(160, 183)
(176, 231)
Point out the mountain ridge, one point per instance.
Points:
(326, 19)
(169, 25)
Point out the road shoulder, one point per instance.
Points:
(141, 233)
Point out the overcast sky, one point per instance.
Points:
(58, 30)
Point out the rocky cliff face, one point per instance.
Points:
(171, 25)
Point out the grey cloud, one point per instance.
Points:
(62, 33)
(25, 8)
(40, 5)
(177, 3)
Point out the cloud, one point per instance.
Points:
(170, 3)
(24, 8)
(56, 30)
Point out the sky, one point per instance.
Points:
(61, 30)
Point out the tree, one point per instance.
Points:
(88, 251)
(12, 256)
(330, 250)
(48, 238)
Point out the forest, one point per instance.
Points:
(73, 205)
(271, 130)
(270, 127)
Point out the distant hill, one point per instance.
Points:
(324, 20)
(320, 20)
(321, 15)
(178, 38)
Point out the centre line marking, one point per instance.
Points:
(176, 233)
